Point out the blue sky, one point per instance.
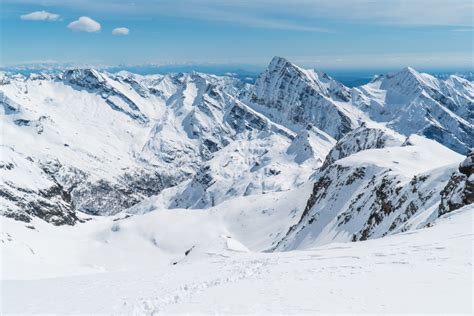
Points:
(327, 34)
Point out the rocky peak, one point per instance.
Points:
(296, 97)
(317, 80)
(278, 71)
(279, 62)
(362, 138)
(467, 166)
(87, 78)
(409, 82)
(460, 189)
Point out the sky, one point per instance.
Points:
(325, 34)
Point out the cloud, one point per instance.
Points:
(121, 31)
(303, 15)
(84, 24)
(40, 16)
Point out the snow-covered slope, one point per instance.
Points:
(373, 193)
(362, 138)
(164, 236)
(418, 103)
(178, 262)
(148, 179)
(297, 97)
(81, 137)
(100, 143)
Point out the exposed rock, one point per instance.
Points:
(362, 138)
(460, 189)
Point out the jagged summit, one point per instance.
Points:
(320, 81)
(101, 142)
(417, 103)
(84, 77)
(294, 97)
(409, 69)
(408, 81)
(278, 61)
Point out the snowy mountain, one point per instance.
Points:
(110, 174)
(107, 141)
(295, 97)
(100, 143)
(415, 103)
(373, 193)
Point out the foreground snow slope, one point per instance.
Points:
(427, 270)
(158, 237)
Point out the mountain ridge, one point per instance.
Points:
(103, 143)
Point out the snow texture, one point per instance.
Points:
(130, 194)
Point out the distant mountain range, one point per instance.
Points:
(340, 163)
(245, 72)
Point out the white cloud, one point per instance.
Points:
(121, 31)
(40, 16)
(84, 24)
(305, 15)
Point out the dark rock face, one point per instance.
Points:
(467, 166)
(363, 202)
(72, 191)
(85, 78)
(240, 120)
(52, 205)
(108, 198)
(362, 138)
(460, 189)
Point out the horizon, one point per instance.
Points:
(247, 73)
(327, 35)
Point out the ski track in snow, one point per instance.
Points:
(422, 271)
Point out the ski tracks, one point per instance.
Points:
(232, 271)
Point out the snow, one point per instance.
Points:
(235, 245)
(417, 103)
(422, 155)
(224, 197)
(373, 193)
(424, 271)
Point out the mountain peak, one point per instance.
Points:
(408, 69)
(279, 63)
(84, 77)
(404, 74)
(407, 80)
(278, 60)
(81, 73)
